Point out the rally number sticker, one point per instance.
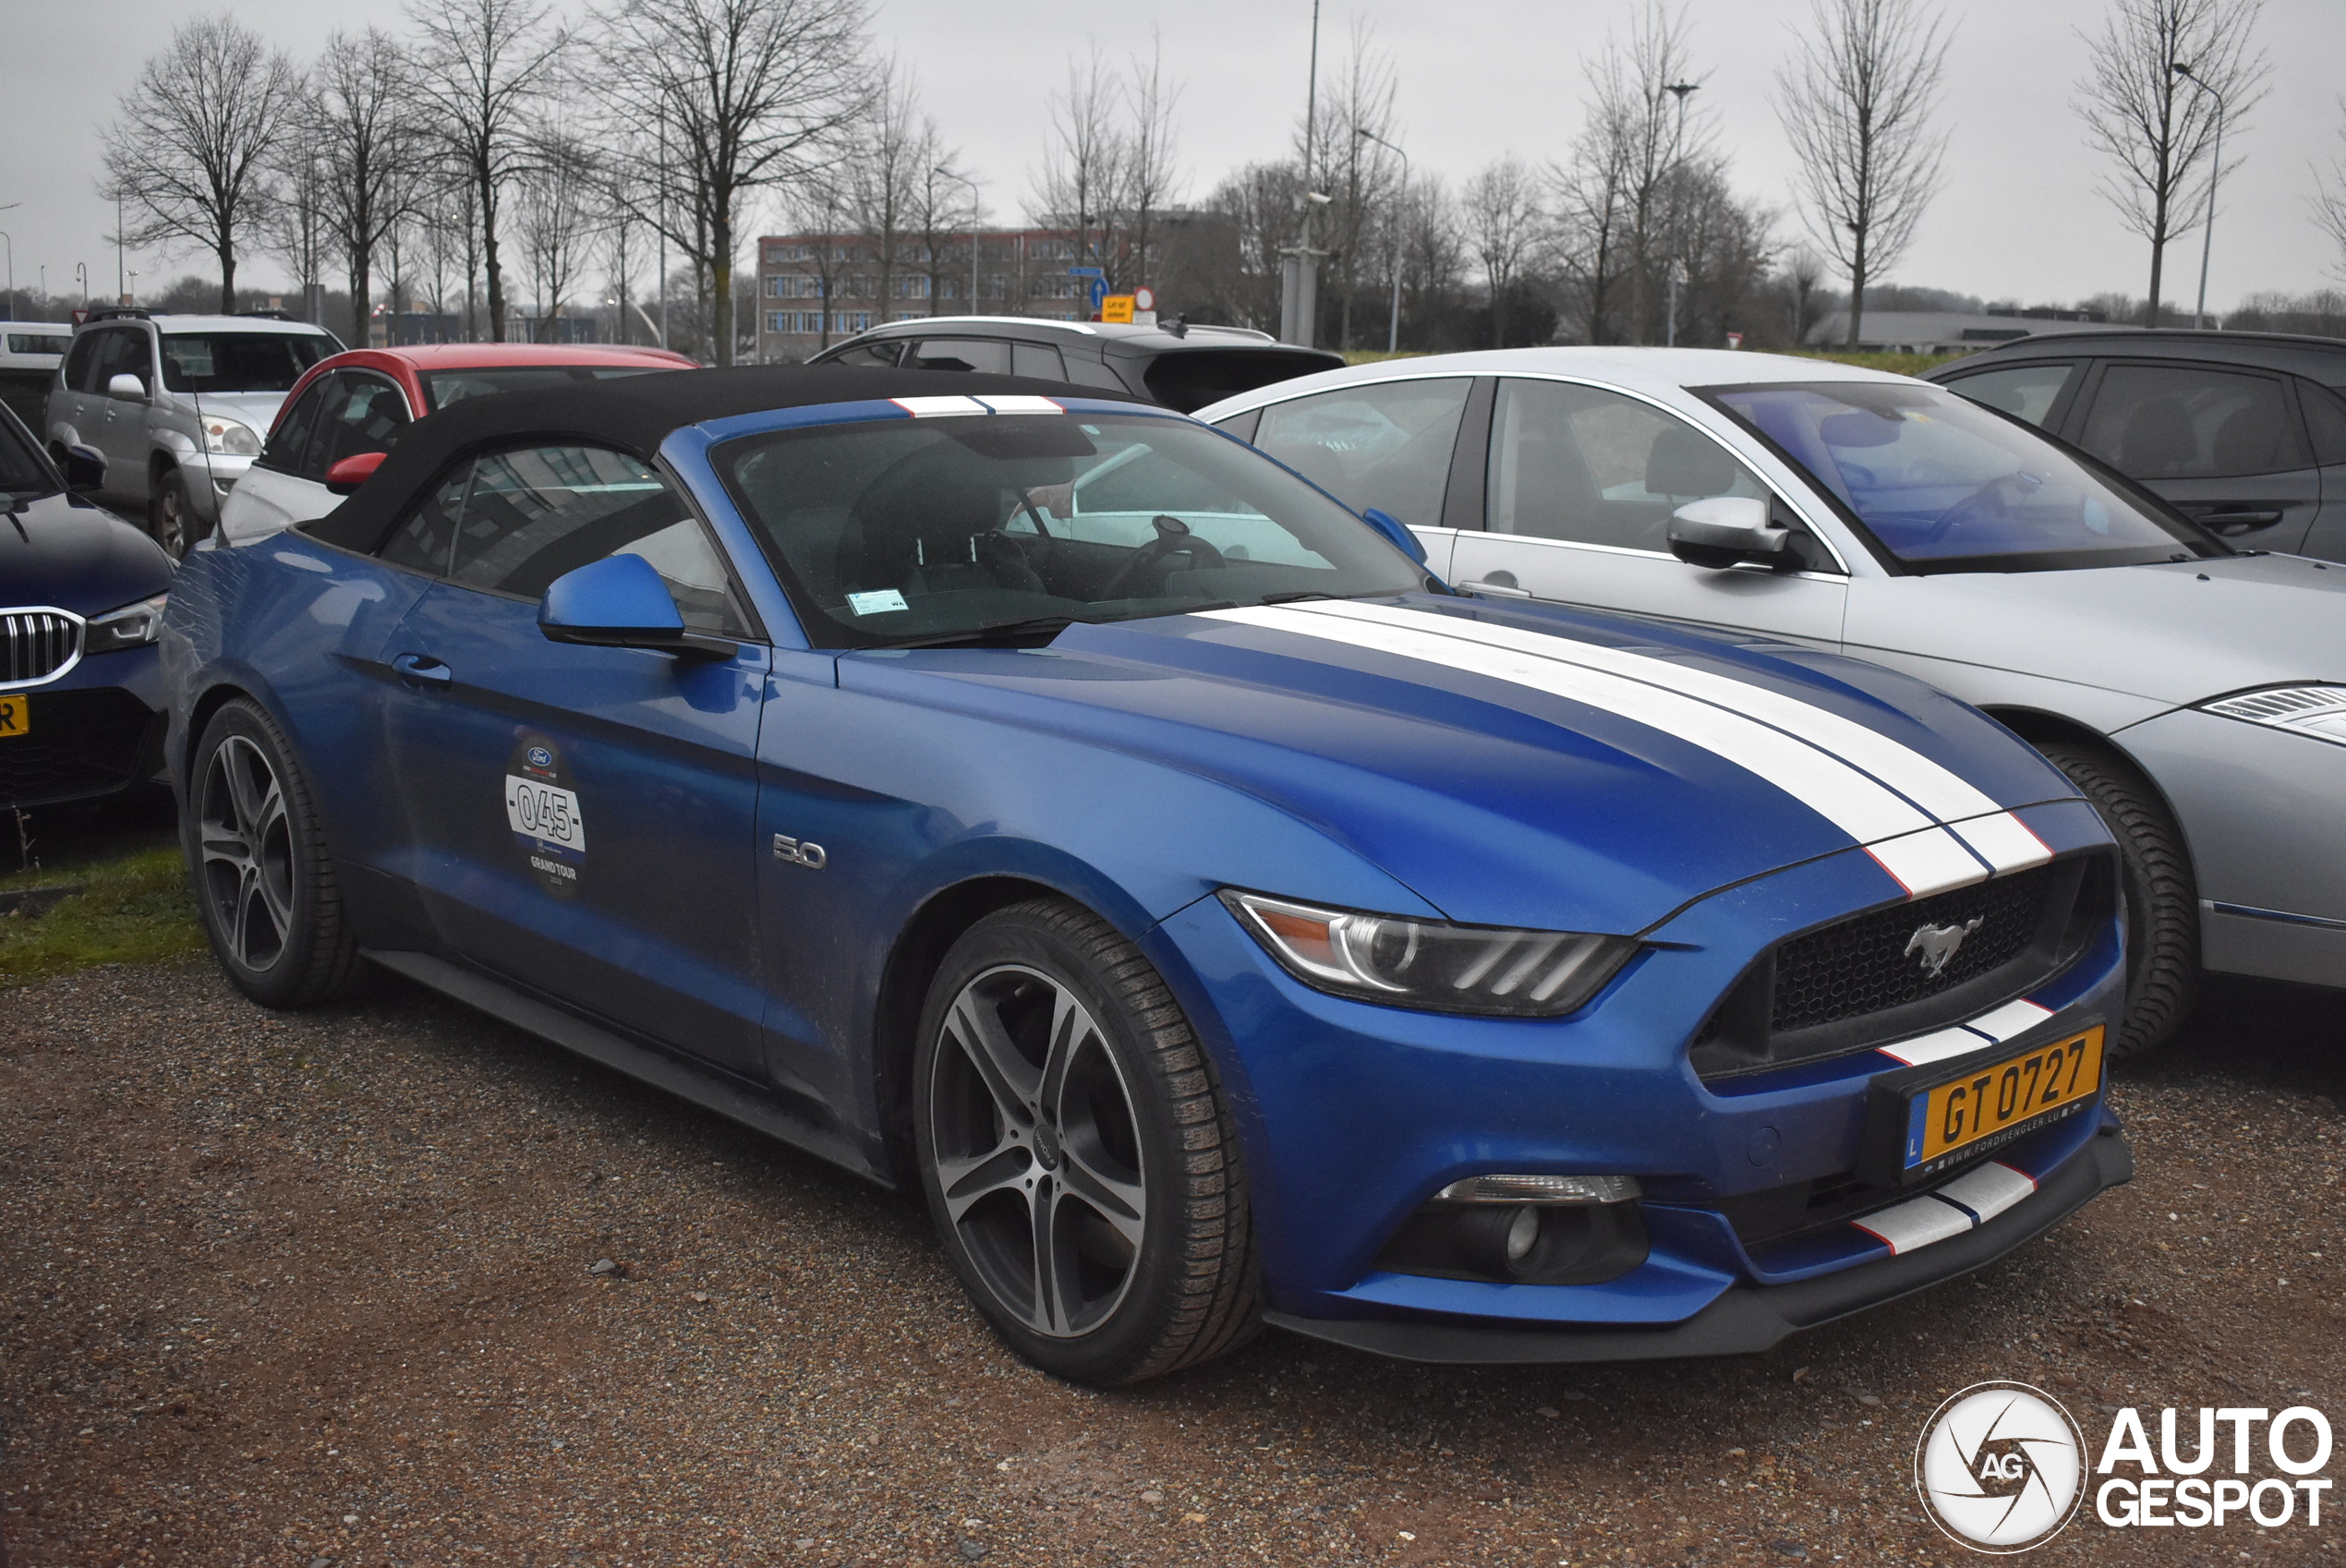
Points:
(543, 809)
(540, 811)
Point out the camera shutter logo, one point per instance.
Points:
(2001, 1467)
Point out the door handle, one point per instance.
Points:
(2238, 519)
(1498, 585)
(422, 669)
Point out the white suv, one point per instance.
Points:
(176, 406)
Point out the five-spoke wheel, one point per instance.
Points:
(247, 870)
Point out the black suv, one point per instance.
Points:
(1178, 366)
(2244, 431)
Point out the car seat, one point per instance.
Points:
(2157, 440)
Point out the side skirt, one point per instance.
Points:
(664, 1073)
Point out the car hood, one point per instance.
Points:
(2174, 632)
(75, 556)
(1528, 766)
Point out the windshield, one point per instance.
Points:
(1946, 485)
(444, 387)
(930, 529)
(239, 362)
(22, 470)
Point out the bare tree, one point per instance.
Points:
(1855, 101)
(819, 207)
(1356, 168)
(1152, 173)
(559, 219)
(888, 174)
(2330, 205)
(1804, 273)
(298, 228)
(363, 125)
(1502, 219)
(944, 209)
(1593, 197)
(188, 149)
(748, 94)
(487, 65)
(2155, 126)
(1081, 189)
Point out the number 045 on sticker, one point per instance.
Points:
(544, 812)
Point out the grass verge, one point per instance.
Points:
(135, 909)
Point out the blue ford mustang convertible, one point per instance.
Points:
(1057, 805)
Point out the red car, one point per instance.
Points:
(354, 405)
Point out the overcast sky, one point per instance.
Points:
(2019, 216)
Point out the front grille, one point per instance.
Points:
(78, 744)
(36, 643)
(1866, 965)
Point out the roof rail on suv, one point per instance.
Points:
(113, 313)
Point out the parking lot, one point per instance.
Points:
(391, 1284)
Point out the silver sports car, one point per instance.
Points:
(2196, 692)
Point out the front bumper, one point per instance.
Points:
(2264, 811)
(1747, 1319)
(95, 731)
(1353, 1115)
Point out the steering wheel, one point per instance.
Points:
(1997, 489)
(1173, 538)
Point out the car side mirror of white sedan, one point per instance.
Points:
(1724, 531)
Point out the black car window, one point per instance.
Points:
(1387, 445)
(289, 443)
(1087, 371)
(2189, 422)
(1598, 468)
(531, 514)
(124, 353)
(987, 356)
(444, 387)
(82, 363)
(2325, 420)
(22, 470)
(365, 414)
(885, 352)
(234, 362)
(426, 534)
(1187, 378)
(2025, 391)
(1039, 360)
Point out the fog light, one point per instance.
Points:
(1568, 1235)
(1522, 1232)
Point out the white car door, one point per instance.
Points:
(1579, 488)
(274, 493)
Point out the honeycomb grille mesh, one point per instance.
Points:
(1873, 962)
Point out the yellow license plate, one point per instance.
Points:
(2004, 1099)
(16, 716)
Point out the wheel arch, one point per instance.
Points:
(2039, 727)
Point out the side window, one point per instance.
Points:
(82, 363)
(1386, 446)
(1598, 468)
(123, 352)
(535, 513)
(2183, 422)
(2325, 420)
(1087, 371)
(1037, 359)
(289, 440)
(368, 416)
(984, 355)
(883, 352)
(2024, 392)
(425, 538)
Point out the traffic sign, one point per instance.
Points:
(1086, 272)
(1118, 307)
(1145, 299)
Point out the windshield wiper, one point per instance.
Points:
(979, 636)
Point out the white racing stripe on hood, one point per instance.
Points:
(1997, 836)
(1917, 852)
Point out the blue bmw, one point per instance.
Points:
(1056, 805)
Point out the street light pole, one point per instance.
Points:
(973, 184)
(1678, 89)
(12, 274)
(1393, 326)
(2208, 229)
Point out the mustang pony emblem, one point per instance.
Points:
(1936, 944)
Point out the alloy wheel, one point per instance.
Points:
(171, 521)
(1037, 1151)
(247, 842)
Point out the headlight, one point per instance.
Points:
(230, 438)
(1431, 964)
(134, 625)
(2318, 711)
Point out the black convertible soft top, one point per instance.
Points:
(634, 414)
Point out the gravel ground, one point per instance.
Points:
(395, 1285)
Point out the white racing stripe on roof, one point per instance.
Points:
(1852, 800)
(1998, 837)
(1020, 403)
(932, 407)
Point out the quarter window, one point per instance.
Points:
(2024, 392)
(2185, 422)
(1386, 446)
(361, 414)
(1594, 467)
(289, 443)
(1039, 360)
(983, 354)
(2325, 420)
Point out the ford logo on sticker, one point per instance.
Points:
(540, 757)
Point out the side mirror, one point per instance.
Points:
(351, 472)
(1397, 531)
(85, 469)
(1721, 531)
(126, 388)
(620, 602)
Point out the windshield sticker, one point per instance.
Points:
(882, 602)
(541, 807)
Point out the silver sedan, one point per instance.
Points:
(2196, 694)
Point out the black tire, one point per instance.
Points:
(1117, 1134)
(2162, 897)
(171, 517)
(264, 883)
